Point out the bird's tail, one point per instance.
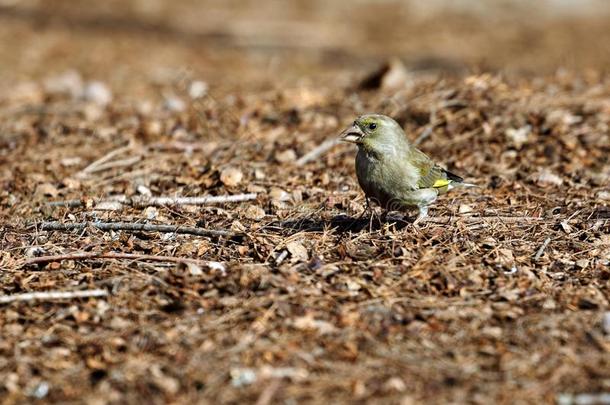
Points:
(456, 184)
(457, 181)
(453, 177)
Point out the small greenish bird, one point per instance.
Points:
(392, 172)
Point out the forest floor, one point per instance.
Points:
(287, 295)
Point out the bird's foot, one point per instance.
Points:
(423, 213)
(373, 215)
(367, 208)
(384, 217)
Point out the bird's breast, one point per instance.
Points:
(383, 179)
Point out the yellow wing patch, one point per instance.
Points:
(441, 183)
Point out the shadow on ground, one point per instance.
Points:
(343, 223)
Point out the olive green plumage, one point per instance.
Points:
(392, 172)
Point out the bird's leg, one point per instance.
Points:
(384, 216)
(371, 221)
(366, 208)
(373, 216)
(423, 213)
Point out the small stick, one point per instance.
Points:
(81, 202)
(540, 251)
(66, 203)
(179, 146)
(425, 134)
(114, 164)
(119, 255)
(52, 295)
(92, 167)
(280, 258)
(445, 219)
(122, 176)
(448, 219)
(433, 122)
(132, 226)
(266, 396)
(161, 201)
(317, 151)
(212, 199)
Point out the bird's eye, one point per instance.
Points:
(372, 126)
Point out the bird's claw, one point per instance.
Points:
(423, 213)
(366, 208)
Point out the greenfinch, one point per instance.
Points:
(393, 173)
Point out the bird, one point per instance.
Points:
(391, 171)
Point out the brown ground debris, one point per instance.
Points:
(501, 297)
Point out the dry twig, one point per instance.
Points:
(267, 395)
(187, 147)
(433, 123)
(280, 258)
(482, 219)
(317, 151)
(540, 251)
(114, 164)
(52, 295)
(132, 226)
(93, 167)
(119, 255)
(159, 201)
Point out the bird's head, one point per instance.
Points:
(375, 132)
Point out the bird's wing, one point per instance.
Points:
(431, 175)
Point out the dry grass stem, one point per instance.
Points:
(132, 226)
(52, 295)
(117, 255)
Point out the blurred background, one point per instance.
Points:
(244, 43)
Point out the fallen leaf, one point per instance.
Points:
(298, 251)
(231, 176)
(254, 212)
(308, 322)
(46, 190)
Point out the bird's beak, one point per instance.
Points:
(352, 134)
